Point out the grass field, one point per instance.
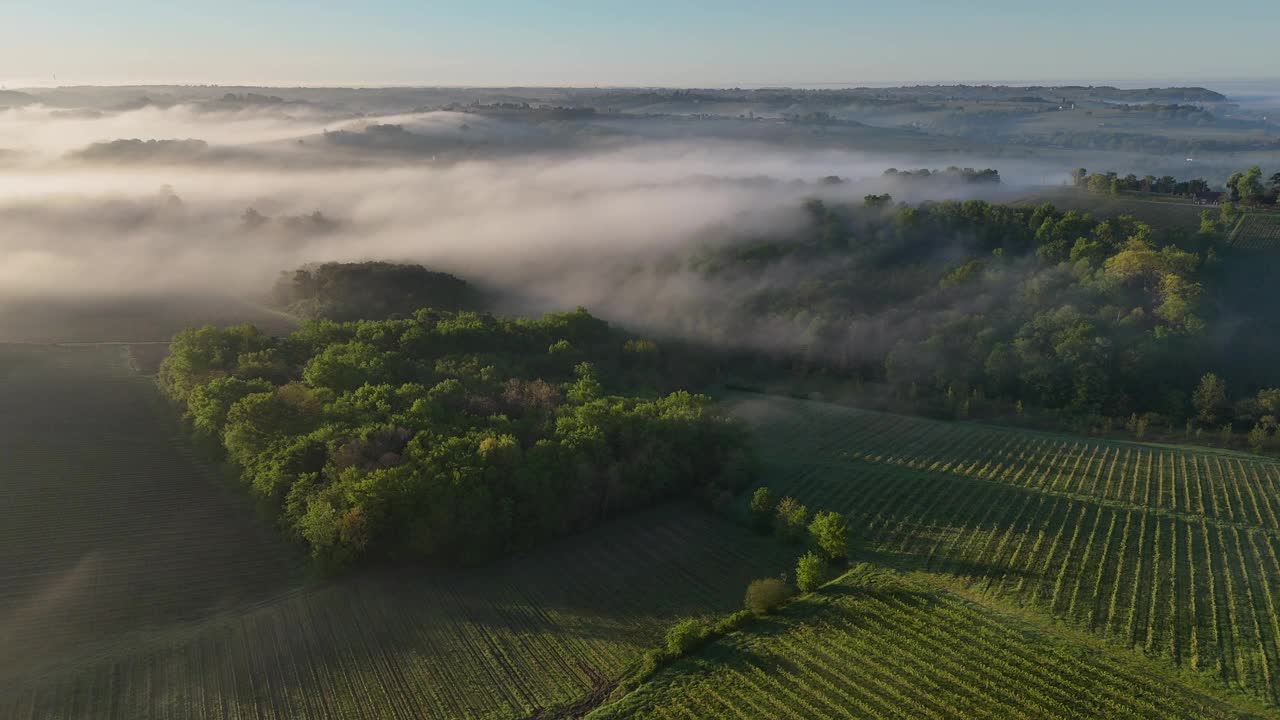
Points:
(1257, 231)
(1174, 552)
(134, 584)
(893, 647)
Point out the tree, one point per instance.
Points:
(762, 508)
(1227, 213)
(765, 595)
(1262, 432)
(830, 530)
(811, 571)
(1209, 398)
(1208, 223)
(1248, 185)
(791, 516)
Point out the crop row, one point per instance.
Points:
(1257, 232)
(906, 652)
(132, 585)
(1172, 552)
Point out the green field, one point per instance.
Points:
(134, 583)
(1159, 212)
(889, 647)
(1257, 231)
(1174, 552)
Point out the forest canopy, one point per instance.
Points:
(451, 437)
(370, 290)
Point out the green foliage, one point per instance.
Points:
(1209, 398)
(811, 572)
(766, 595)
(790, 518)
(762, 507)
(1069, 312)
(370, 290)
(448, 436)
(830, 531)
(686, 635)
(732, 622)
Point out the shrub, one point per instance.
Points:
(685, 636)
(765, 595)
(811, 571)
(736, 621)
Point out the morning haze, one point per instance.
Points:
(601, 360)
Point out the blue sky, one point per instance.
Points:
(654, 42)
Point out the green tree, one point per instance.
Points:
(587, 387)
(1209, 398)
(830, 531)
(791, 517)
(811, 571)
(762, 509)
(1248, 185)
(765, 595)
(1208, 223)
(1262, 432)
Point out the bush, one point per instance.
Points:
(766, 595)
(684, 636)
(733, 622)
(811, 571)
(830, 531)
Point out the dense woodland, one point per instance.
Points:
(452, 437)
(969, 308)
(369, 290)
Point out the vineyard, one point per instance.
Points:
(1257, 232)
(134, 584)
(897, 647)
(1173, 552)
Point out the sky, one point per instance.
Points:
(629, 43)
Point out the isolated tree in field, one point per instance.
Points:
(811, 571)
(791, 517)
(762, 507)
(830, 531)
(1209, 398)
(765, 595)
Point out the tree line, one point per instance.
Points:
(964, 309)
(1248, 187)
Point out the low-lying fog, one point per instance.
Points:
(227, 198)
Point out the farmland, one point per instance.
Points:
(208, 614)
(876, 645)
(1165, 214)
(1257, 231)
(1172, 552)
